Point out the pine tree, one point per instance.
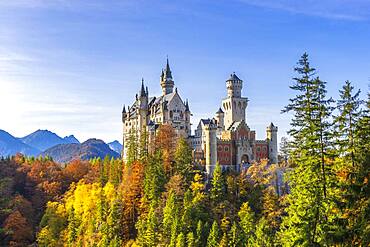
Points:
(183, 159)
(235, 238)
(309, 205)
(143, 146)
(180, 241)
(190, 240)
(72, 228)
(132, 147)
(346, 161)
(217, 193)
(170, 212)
(214, 236)
(247, 221)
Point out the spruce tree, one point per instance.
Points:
(143, 146)
(247, 221)
(214, 236)
(217, 193)
(308, 221)
(170, 212)
(183, 159)
(235, 238)
(132, 147)
(347, 148)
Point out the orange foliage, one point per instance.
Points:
(166, 141)
(18, 228)
(132, 191)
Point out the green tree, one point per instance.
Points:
(132, 147)
(143, 146)
(180, 242)
(247, 221)
(235, 238)
(183, 159)
(218, 193)
(308, 216)
(214, 236)
(170, 212)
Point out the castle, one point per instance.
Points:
(225, 138)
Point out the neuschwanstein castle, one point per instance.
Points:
(225, 138)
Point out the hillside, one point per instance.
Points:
(89, 149)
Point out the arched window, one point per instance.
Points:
(171, 114)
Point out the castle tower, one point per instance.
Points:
(271, 132)
(220, 119)
(143, 107)
(187, 119)
(234, 104)
(167, 82)
(211, 147)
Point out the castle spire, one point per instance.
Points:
(167, 82)
(168, 72)
(142, 91)
(124, 109)
(187, 105)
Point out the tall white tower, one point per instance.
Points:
(211, 147)
(234, 105)
(271, 132)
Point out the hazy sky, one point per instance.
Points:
(70, 65)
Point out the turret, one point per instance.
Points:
(143, 107)
(271, 132)
(187, 118)
(234, 105)
(211, 147)
(220, 119)
(124, 114)
(234, 86)
(167, 82)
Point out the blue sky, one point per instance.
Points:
(70, 65)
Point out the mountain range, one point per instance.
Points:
(47, 143)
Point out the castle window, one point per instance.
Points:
(258, 149)
(219, 148)
(171, 114)
(226, 149)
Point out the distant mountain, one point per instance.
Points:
(44, 139)
(116, 146)
(10, 145)
(89, 149)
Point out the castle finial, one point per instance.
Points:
(124, 109)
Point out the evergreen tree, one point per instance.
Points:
(183, 159)
(143, 146)
(214, 236)
(309, 205)
(72, 228)
(346, 161)
(235, 238)
(170, 212)
(217, 193)
(247, 221)
(180, 242)
(190, 240)
(132, 147)
(154, 179)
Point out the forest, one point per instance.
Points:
(158, 198)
